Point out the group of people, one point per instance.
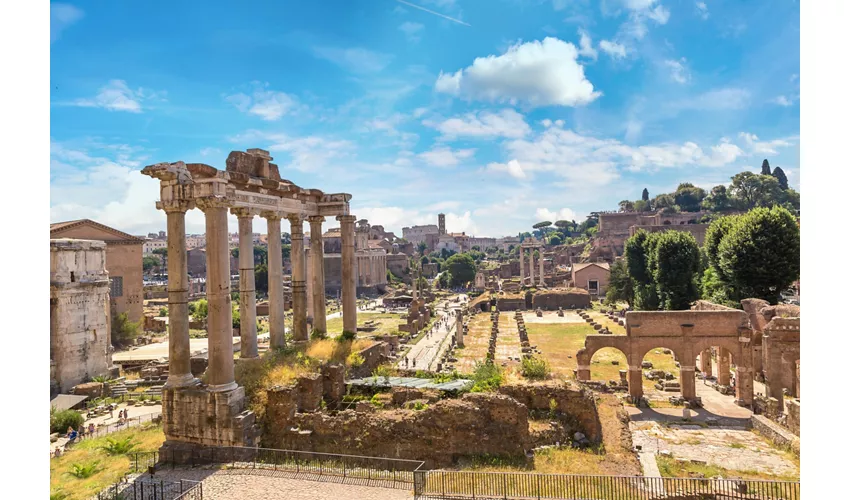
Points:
(80, 434)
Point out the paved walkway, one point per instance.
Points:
(428, 349)
(271, 485)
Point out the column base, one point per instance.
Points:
(222, 387)
(197, 416)
(185, 380)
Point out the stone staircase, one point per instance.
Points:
(118, 390)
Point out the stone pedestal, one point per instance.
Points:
(744, 386)
(583, 372)
(687, 382)
(179, 368)
(277, 330)
(635, 382)
(705, 362)
(247, 290)
(299, 277)
(459, 328)
(349, 290)
(220, 374)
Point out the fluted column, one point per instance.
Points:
(247, 289)
(349, 286)
(317, 259)
(540, 259)
(299, 275)
(179, 364)
(220, 376)
(277, 330)
(521, 266)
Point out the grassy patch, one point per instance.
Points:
(388, 323)
(107, 469)
(670, 467)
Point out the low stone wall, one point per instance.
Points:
(776, 433)
(511, 304)
(567, 299)
(442, 433)
(372, 357)
(792, 412)
(576, 403)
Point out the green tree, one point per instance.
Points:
(765, 167)
(555, 240)
(160, 251)
(642, 206)
(445, 279)
(202, 309)
(717, 200)
(619, 284)
(780, 176)
(285, 252)
(462, 269)
(792, 199)
(645, 195)
(688, 197)
(716, 286)
(626, 206)
(261, 278)
(564, 225)
(750, 190)
(421, 247)
(149, 263)
(760, 255)
(124, 331)
(638, 262)
(677, 264)
(666, 203)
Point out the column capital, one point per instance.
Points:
(295, 218)
(316, 219)
(212, 202)
(296, 222)
(350, 219)
(271, 215)
(244, 212)
(175, 206)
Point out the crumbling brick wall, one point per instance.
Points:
(552, 300)
(577, 403)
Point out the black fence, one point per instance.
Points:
(388, 472)
(148, 489)
(509, 485)
(128, 423)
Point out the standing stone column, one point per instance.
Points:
(299, 277)
(277, 330)
(308, 287)
(521, 266)
(247, 289)
(459, 326)
(179, 364)
(705, 362)
(220, 317)
(542, 283)
(317, 258)
(744, 386)
(635, 382)
(349, 287)
(687, 382)
(531, 266)
(723, 375)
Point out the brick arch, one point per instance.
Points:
(594, 343)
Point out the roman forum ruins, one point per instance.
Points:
(214, 414)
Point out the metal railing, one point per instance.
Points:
(391, 472)
(103, 430)
(519, 485)
(149, 489)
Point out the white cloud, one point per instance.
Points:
(210, 151)
(552, 216)
(586, 45)
(759, 147)
(268, 104)
(613, 49)
(354, 59)
(442, 156)
(411, 30)
(534, 73)
(659, 14)
(393, 218)
(783, 101)
(725, 98)
(485, 124)
(118, 96)
(62, 16)
(513, 168)
(307, 154)
(702, 10)
(678, 70)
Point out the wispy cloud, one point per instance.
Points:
(458, 21)
(268, 104)
(678, 70)
(355, 59)
(411, 30)
(62, 16)
(118, 96)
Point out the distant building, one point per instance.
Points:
(592, 276)
(123, 262)
(153, 244)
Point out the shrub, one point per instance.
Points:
(85, 471)
(487, 377)
(61, 420)
(535, 368)
(419, 406)
(318, 335)
(118, 446)
(354, 360)
(346, 336)
(377, 401)
(124, 331)
(383, 371)
(163, 311)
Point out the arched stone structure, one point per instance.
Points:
(686, 333)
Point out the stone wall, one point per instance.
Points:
(776, 433)
(511, 304)
(577, 403)
(573, 298)
(372, 357)
(398, 264)
(476, 424)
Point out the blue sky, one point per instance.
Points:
(499, 113)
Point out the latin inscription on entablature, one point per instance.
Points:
(254, 199)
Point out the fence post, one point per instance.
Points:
(343, 469)
(505, 485)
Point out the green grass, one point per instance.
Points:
(75, 476)
(388, 323)
(670, 467)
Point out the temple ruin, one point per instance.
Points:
(213, 413)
